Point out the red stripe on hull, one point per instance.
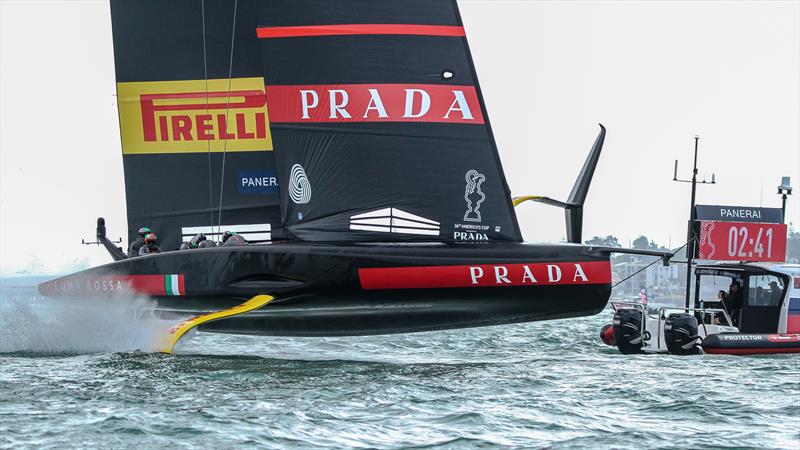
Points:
(107, 285)
(359, 29)
(486, 275)
(750, 351)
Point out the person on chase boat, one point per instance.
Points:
(722, 298)
(733, 301)
(133, 249)
(150, 245)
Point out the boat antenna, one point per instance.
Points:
(691, 238)
(205, 77)
(227, 111)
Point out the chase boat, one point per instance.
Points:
(767, 320)
(349, 142)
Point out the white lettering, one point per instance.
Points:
(338, 107)
(475, 273)
(469, 236)
(501, 274)
(579, 273)
(304, 99)
(463, 107)
(425, 105)
(375, 103)
(740, 213)
(528, 275)
(553, 273)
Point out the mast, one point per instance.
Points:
(691, 236)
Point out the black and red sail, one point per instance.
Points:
(373, 110)
(378, 123)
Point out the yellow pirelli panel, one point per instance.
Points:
(194, 116)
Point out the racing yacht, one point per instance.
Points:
(349, 143)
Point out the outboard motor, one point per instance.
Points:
(680, 334)
(607, 334)
(628, 331)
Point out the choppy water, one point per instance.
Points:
(70, 377)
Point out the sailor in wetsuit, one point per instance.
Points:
(133, 249)
(231, 238)
(200, 241)
(150, 245)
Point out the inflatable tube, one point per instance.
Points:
(751, 344)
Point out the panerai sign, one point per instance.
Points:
(738, 214)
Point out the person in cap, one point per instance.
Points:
(150, 245)
(136, 245)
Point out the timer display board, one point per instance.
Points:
(742, 241)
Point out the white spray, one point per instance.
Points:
(29, 322)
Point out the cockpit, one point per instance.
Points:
(752, 296)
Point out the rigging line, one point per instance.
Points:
(647, 266)
(227, 110)
(205, 77)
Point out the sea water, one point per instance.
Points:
(74, 376)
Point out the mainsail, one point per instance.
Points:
(373, 109)
(379, 126)
(195, 130)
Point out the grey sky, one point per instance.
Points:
(655, 73)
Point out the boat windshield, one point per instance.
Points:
(765, 290)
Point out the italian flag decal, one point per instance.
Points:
(173, 285)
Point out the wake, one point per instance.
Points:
(32, 323)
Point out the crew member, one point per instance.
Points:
(775, 293)
(150, 245)
(133, 249)
(722, 297)
(231, 238)
(200, 241)
(733, 302)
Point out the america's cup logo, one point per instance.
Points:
(299, 186)
(473, 195)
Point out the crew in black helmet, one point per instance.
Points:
(231, 238)
(150, 245)
(133, 249)
(200, 241)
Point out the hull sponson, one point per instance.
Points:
(319, 291)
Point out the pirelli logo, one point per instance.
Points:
(190, 116)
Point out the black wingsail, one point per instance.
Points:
(378, 122)
(193, 118)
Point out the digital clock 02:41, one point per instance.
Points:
(742, 241)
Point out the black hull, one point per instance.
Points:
(355, 289)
